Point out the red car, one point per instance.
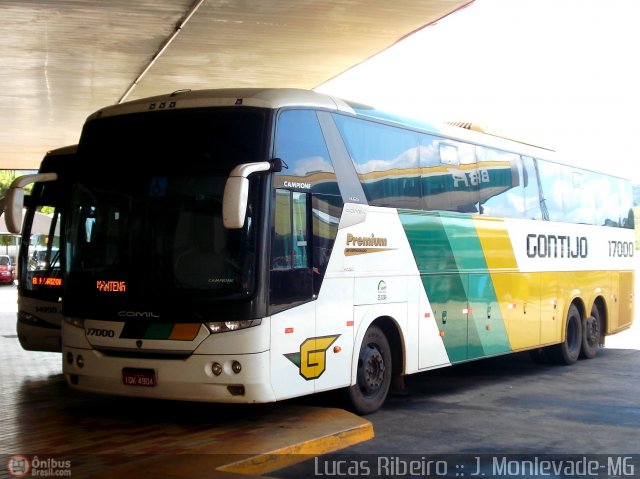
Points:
(7, 270)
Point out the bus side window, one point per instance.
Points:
(291, 279)
(301, 146)
(300, 258)
(551, 190)
(449, 174)
(531, 192)
(291, 232)
(501, 183)
(625, 190)
(578, 198)
(608, 206)
(386, 161)
(281, 247)
(449, 154)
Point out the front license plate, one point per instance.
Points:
(139, 377)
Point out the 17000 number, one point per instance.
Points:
(105, 333)
(621, 249)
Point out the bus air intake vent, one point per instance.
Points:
(467, 125)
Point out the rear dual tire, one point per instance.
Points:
(582, 339)
(591, 334)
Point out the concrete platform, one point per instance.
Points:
(44, 423)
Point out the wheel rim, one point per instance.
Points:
(371, 370)
(591, 326)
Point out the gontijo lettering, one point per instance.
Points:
(557, 246)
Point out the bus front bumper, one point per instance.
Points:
(242, 378)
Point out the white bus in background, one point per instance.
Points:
(39, 263)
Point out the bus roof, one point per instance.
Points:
(258, 97)
(63, 150)
(275, 98)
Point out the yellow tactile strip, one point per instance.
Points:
(292, 435)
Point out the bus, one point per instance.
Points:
(255, 245)
(39, 287)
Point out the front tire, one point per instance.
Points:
(568, 351)
(373, 376)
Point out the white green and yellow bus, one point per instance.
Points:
(253, 245)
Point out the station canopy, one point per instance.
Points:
(64, 59)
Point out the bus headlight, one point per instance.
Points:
(28, 318)
(77, 322)
(224, 326)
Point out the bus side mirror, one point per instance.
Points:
(234, 202)
(236, 193)
(14, 201)
(13, 210)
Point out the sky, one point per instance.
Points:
(564, 74)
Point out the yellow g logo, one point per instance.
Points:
(312, 358)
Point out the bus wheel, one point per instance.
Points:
(568, 351)
(591, 334)
(374, 373)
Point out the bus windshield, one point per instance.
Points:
(147, 228)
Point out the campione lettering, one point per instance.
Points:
(297, 184)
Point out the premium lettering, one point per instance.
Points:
(557, 246)
(365, 240)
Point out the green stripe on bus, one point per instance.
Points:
(454, 273)
(158, 331)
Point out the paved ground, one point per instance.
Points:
(111, 437)
(498, 405)
(506, 407)
(501, 412)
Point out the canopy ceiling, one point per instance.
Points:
(63, 59)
